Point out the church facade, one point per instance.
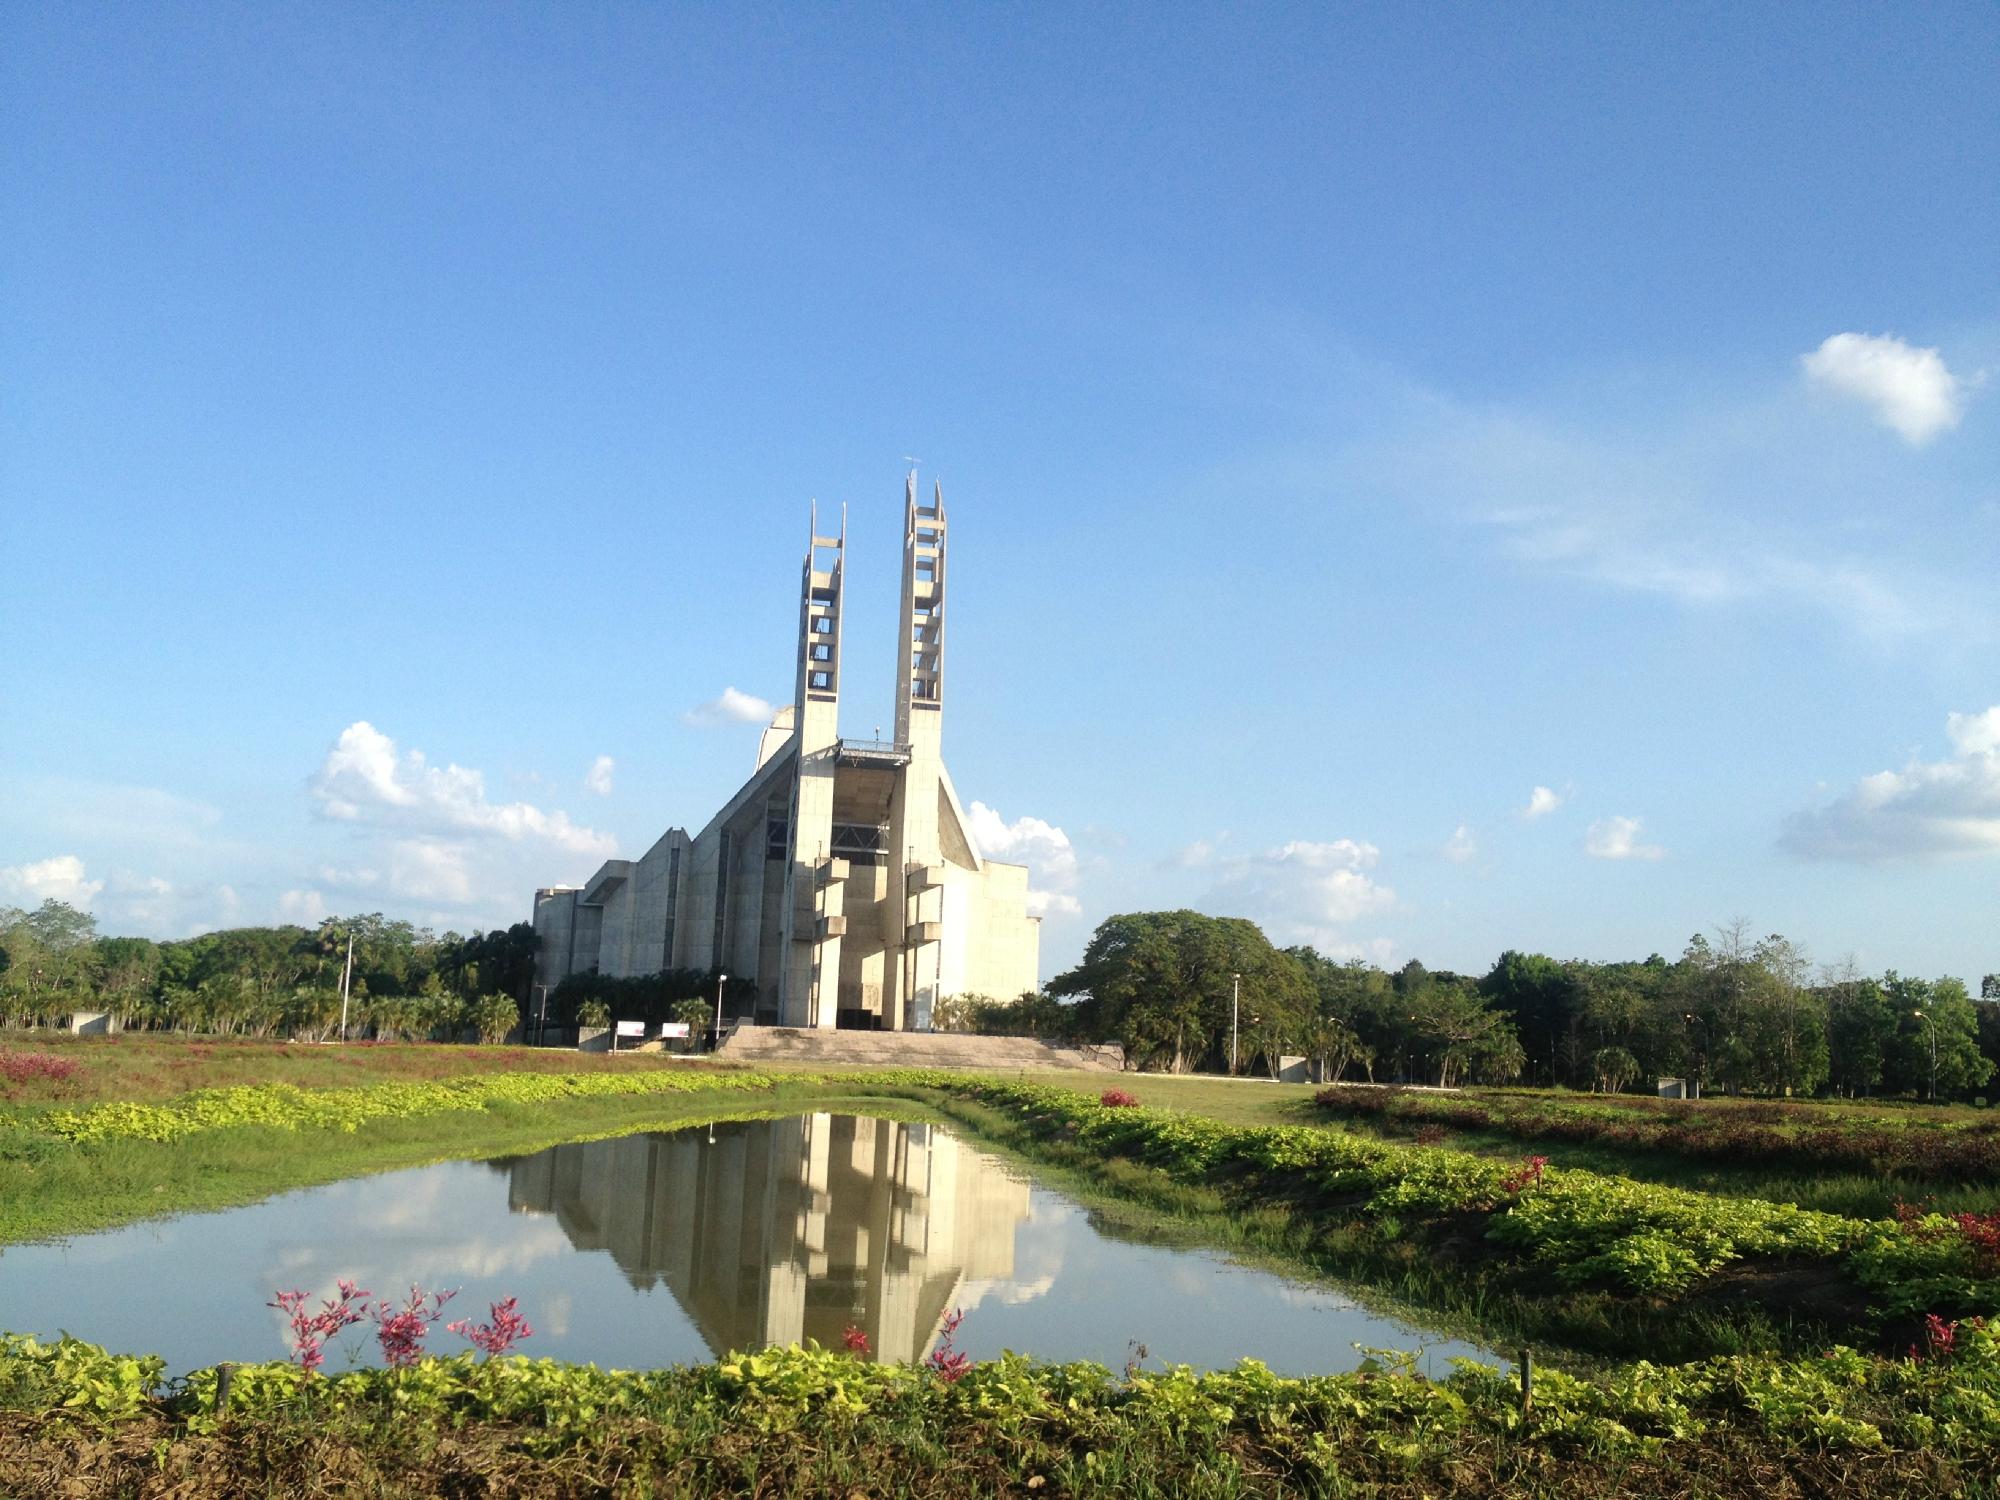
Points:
(842, 878)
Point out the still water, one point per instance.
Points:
(675, 1247)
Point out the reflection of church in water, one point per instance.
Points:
(777, 1231)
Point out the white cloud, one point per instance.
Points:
(364, 779)
(1541, 802)
(429, 870)
(1044, 848)
(1909, 389)
(1461, 848)
(1618, 838)
(306, 908)
(59, 878)
(89, 811)
(598, 778)
(1195, 854)
(349, 879)
(1949, 806)
(1974, 734)
(732, 707)
(1709, 510)
(124, 901)
(1303, 891)
(158, 907)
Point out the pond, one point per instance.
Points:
(675, 1247)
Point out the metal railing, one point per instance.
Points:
(874, 747)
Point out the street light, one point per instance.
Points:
(720, 981)
(1235, 1009)
(1924, 1015)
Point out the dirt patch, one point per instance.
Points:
(1805, 1291)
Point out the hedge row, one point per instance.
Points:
(1586, 1228)
(1050, 1419)
(286, 1107)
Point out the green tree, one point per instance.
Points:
(1460, 1035)
(1988, 1028)
(1614, 1068)
(699, 1018)
(1936, 1051)
(1352, 1001)
(494, 1016)
(1545, 1003)
(1861, 1027)
(1161, 984)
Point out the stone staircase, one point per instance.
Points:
(756, 1046)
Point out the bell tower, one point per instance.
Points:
(810, 942)
(915, 860)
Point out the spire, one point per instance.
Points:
(920, 655)
(817, 695)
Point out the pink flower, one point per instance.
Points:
(946, 1362)
(855, 1341)
(496, 1338)
(401, 1331)
(310, 1331)
(1524, 1176)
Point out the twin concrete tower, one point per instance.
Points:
(870, 900)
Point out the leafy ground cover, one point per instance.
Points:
(287, 1107)
(277, 1138)
(147, 1066)
(1599, 1262)
(75, 1419)
(1929, 1147)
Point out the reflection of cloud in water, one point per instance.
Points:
(1318, 1297)
(1192, 1279)
(1006, 1293)
(433, 1261)
(1046, 1209)
(409, 1205)
(556, 1311)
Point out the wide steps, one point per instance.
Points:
(753, 1045)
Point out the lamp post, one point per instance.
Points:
(716, 1041)
(1701, 1062)
(346, 985)
(1924, 1015)
(1235, 1010)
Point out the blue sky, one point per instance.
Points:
(1351, 421)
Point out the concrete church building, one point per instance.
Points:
(841, 878)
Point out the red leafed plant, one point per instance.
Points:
(23, 1067)
(855, 1341)
(1982, 1233)
(1941, 1338)
(310, 1331)
(1524, 1176)
(401, 1331)
(1117, 1099)
(497, 1337)
(945, 1362)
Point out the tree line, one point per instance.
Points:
(1180, 992)
(407, 983)
(1734, 1013)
